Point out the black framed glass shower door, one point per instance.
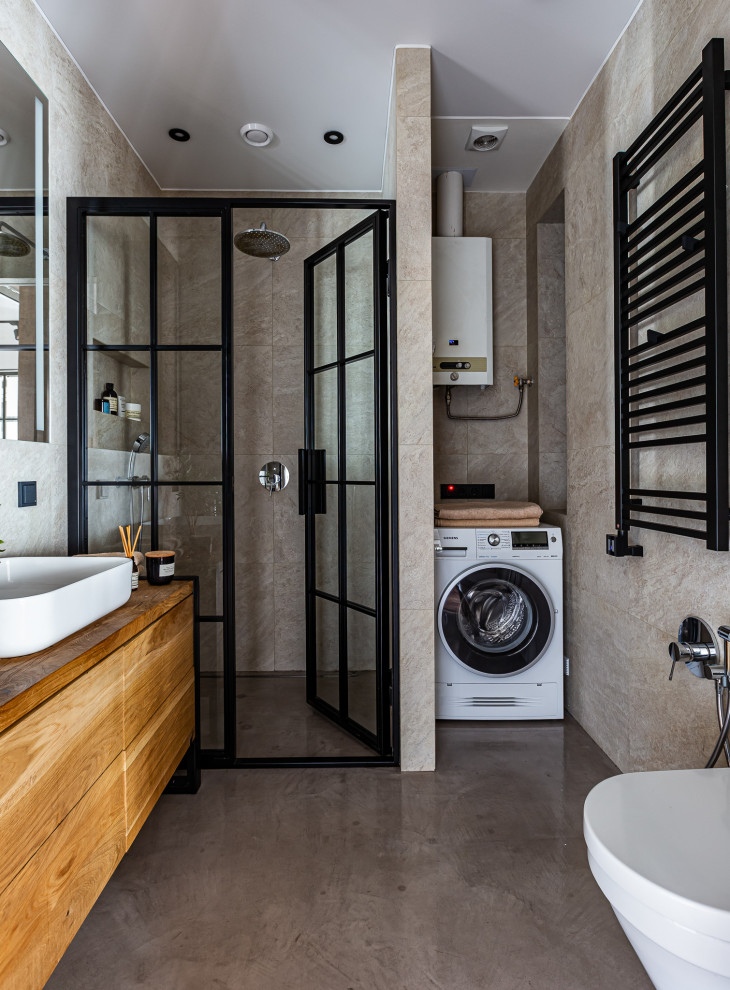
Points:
(151, 315)
(344, 491)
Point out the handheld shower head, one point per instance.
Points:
(141, 443)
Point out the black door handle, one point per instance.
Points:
(312, 483)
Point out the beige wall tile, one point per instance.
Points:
(417, 688)
(510, 295)
(553, 482)
(507, 472)
(254, 639)
(289, 623)
(415, 515)
(413, 157)
(414, 362)
(253, 417)
(288, 392)
(488, 214)
(254, 510)
(413, 82)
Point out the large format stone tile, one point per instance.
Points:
(507, 472)
(253, 416)
(492, 214)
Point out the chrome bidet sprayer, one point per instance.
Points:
(697, 648)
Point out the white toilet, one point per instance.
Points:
(659, 848)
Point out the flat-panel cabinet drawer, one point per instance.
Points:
(50, 758)
(154, 663)
(154, 754)
(43, 907)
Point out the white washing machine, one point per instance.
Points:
(499, 623)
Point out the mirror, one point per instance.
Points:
(274, 476)
(23, 255)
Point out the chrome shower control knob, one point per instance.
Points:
(454, 376)
(678, 651)
(493, 540)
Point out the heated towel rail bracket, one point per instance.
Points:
(674, 249)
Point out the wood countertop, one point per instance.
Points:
(26, 682)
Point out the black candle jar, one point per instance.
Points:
(160, 566)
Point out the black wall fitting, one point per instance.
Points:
(685, 231)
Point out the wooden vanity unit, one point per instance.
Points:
(91, 731)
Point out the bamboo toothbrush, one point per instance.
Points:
(139, 530)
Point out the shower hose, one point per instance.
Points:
(723, 717)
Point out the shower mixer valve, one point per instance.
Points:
(697, 649)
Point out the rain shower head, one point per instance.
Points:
(13, 244)
(260, 242)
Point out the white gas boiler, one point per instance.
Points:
(461, 291)
(499, 623)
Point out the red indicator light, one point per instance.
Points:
(451, 488)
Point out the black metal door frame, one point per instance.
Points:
(78, 210)
(313, 498)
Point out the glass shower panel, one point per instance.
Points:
(110, 438)
(189, 280)
(361, 669)
(325, 312)
(360, 414)
(361, 545)
(328, 652)
(325, 419)
(211, 685)
(190, 523)
(118, 280)
(189, 411)
(109, 507)
(359, 294)
(325, 545)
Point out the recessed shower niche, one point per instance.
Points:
(228, 362)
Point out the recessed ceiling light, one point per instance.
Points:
(257, 135)
(334, 137)
(179, 134)
(3, 138)
(485, 138)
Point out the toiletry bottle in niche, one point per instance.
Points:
(135, 575)
(110, 399)
(121, 405)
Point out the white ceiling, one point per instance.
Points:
(211, 66)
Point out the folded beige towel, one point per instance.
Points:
(466, 509)
(139, 557)
(486, 523)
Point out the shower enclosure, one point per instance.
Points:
(293, 360)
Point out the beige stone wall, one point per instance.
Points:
(492, 453)
(89, 156)
(622, 613)
(415, 435)
(269, 425)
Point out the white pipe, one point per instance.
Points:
(450, 205)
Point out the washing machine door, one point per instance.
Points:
(496, 619)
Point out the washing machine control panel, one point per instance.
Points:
(532, 543)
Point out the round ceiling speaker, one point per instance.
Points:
(334, 137)
(179, 134)
(3, 138)
(257, 135)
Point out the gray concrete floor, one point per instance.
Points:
(368, 879)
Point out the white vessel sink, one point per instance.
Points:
(45, 599)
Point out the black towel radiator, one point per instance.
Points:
(670, 251)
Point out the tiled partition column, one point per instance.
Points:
(415, 440)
